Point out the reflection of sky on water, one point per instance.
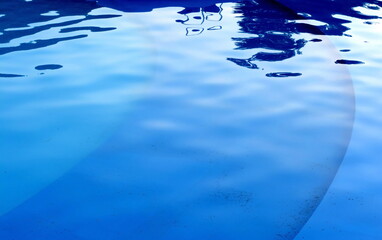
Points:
(185, 113)
(271, 24)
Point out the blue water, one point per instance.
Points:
(190, 119)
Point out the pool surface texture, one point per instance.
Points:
(190, 120)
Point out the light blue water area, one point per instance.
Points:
(183, 119)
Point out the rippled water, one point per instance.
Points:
(173, 119)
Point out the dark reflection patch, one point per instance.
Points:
(48, 67)
(283, 74)
(5, 75)
(348, 62)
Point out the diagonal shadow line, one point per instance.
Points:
(353, 111)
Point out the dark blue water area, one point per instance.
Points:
(283, 74)
(173, 119)
(48, 67)
(6, 75)
(349, 62)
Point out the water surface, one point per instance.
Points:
(170, 120)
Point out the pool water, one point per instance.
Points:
(188, 119)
